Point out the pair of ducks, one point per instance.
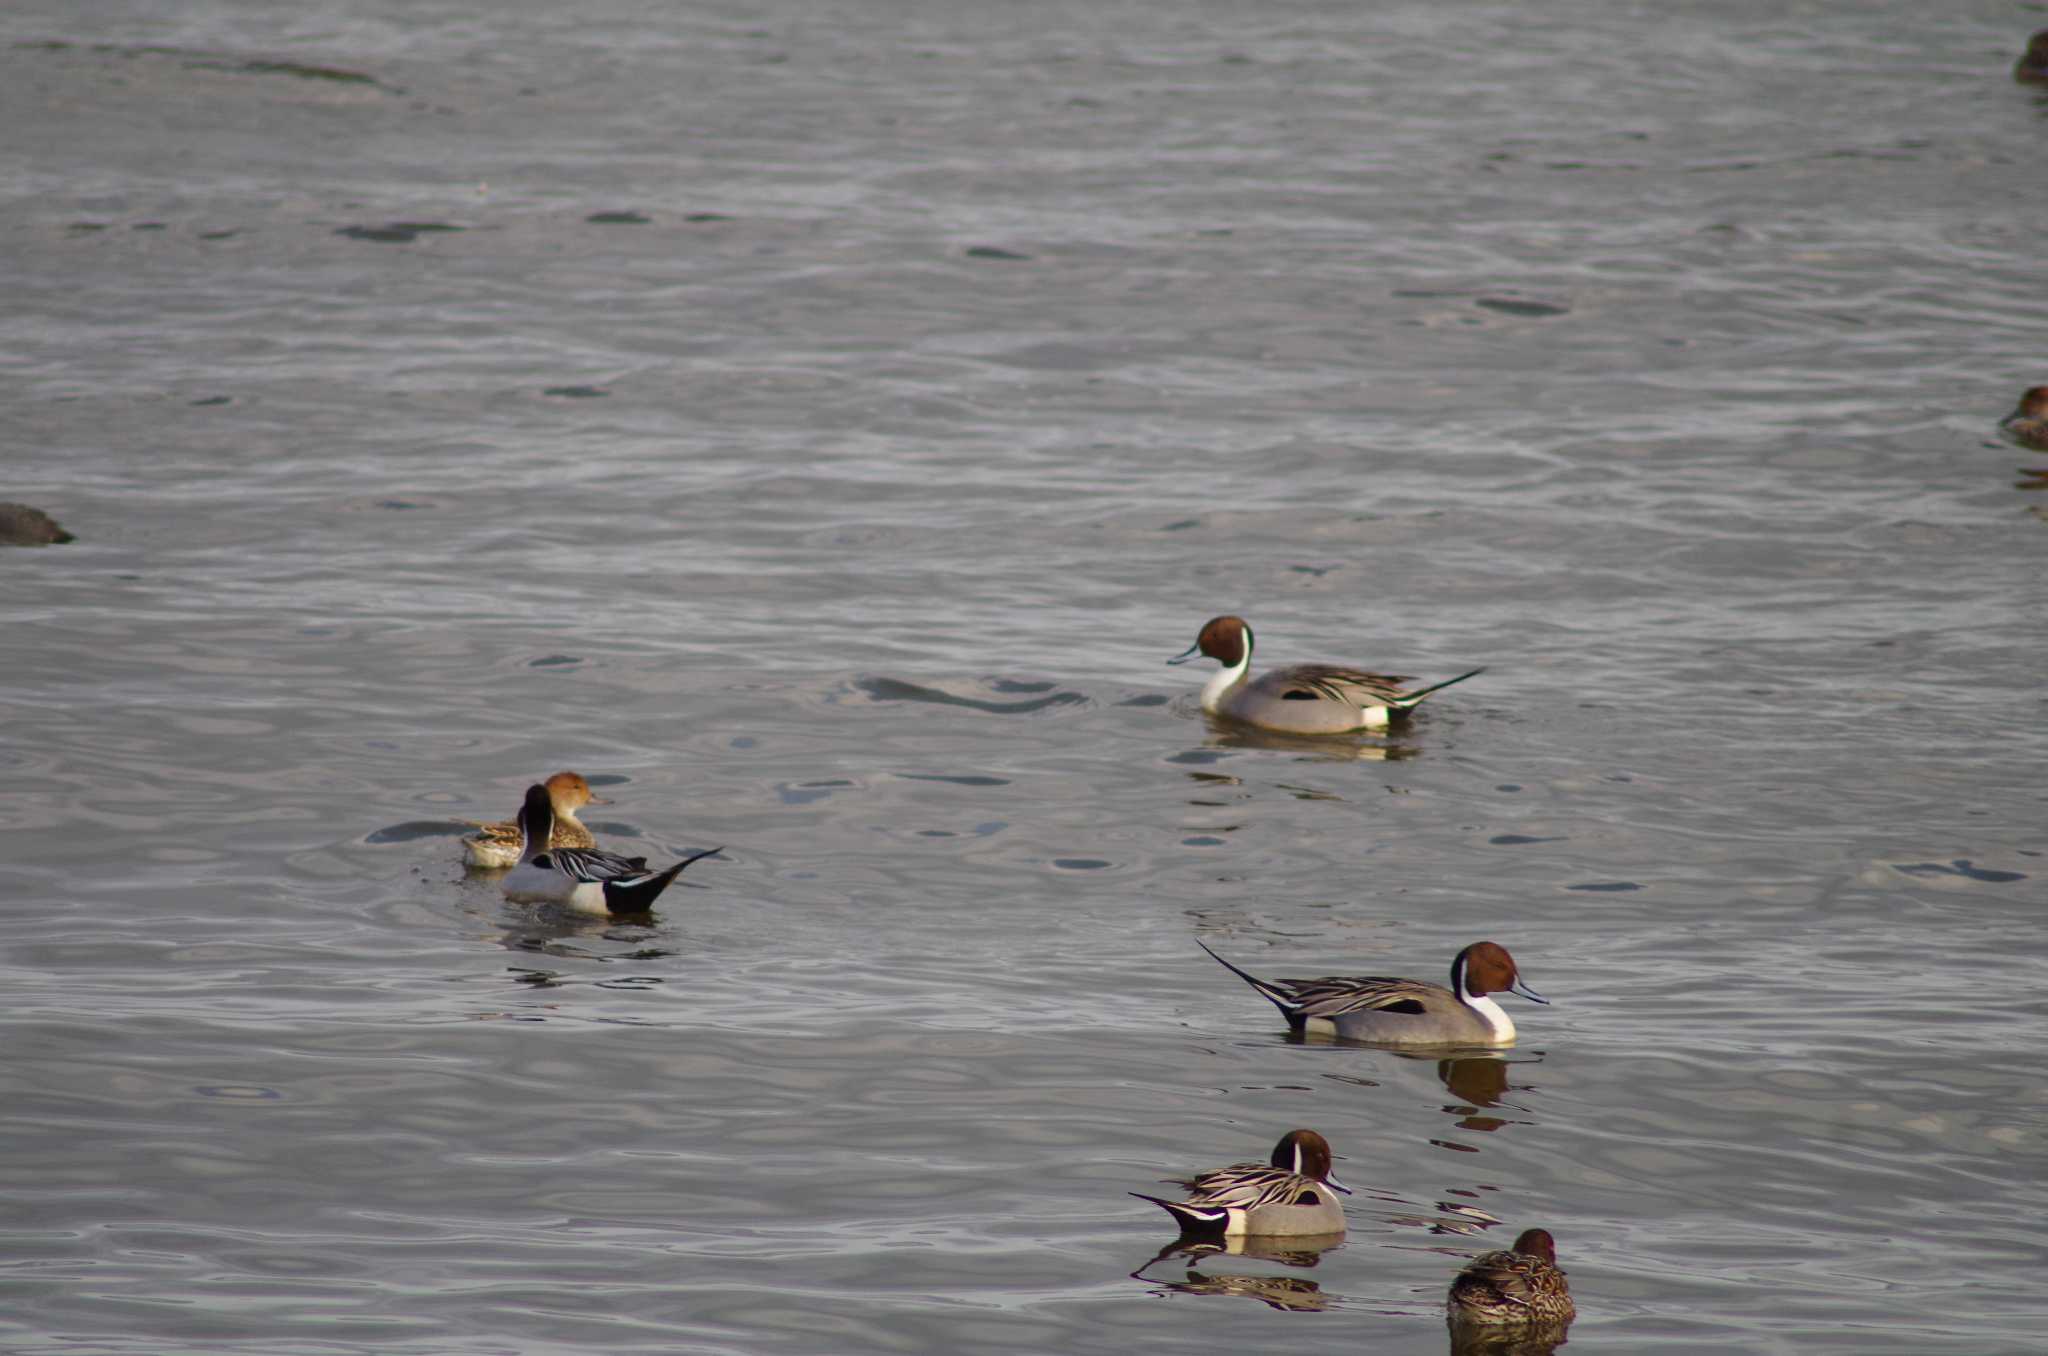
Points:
(1291, 1195)
(555, 859)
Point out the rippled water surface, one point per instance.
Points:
(817, 424)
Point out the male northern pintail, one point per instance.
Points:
(586, 880)
(497, 845)
(2027, 425)
(1301, 699)
(1521, 1285)
(1289, 1195)
(1402, 1011)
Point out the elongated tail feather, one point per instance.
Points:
(637, 894)
(1408, 702)
(1193, 1219)
(1279, 998)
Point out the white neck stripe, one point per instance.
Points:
(1230, 677)
(1490, 1013)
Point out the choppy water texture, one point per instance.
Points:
(817, 423)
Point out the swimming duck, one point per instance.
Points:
(1521, 1285)
(1287, 1195)
(1303, 698)
(2032, 67)
(2027, 425)
(1402, 1011)
(497, 845)
(586, 880)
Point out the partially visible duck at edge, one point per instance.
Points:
(586, 880)
(1402, 1011)
(27, 525)
(497, 845)
(1290, 1194)
(1519, 1286)
(2032, 67)
(1303, 698)
(2027, 425)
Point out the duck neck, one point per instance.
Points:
(1219, 685)
(536, 830)
(1489, 1012)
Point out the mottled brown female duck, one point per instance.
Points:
(1519, 1286)
(497, 845)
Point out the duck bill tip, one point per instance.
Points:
(1529, 993)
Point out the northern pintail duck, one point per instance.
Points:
(1289, 1195)
(2027, 425)
(1402, 1011)
(586, 880)
(1301, 699)
(1521, 1285)
(497, 845)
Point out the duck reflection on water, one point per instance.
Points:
(1537, 1339)
(556, 948)
(1479, 1080)
(1296, 1294)
(1225, 733)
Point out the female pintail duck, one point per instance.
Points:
(2027, 425)
(586, 880)
(1289, 1195)
(497, 845)
(1402, 1011)
(1302, 699)
(1519, 1286)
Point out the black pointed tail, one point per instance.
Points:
(1192, 1219)
(638, 896)
(1288, 1009)
(1413, 699)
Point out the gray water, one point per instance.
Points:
(817, 424)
